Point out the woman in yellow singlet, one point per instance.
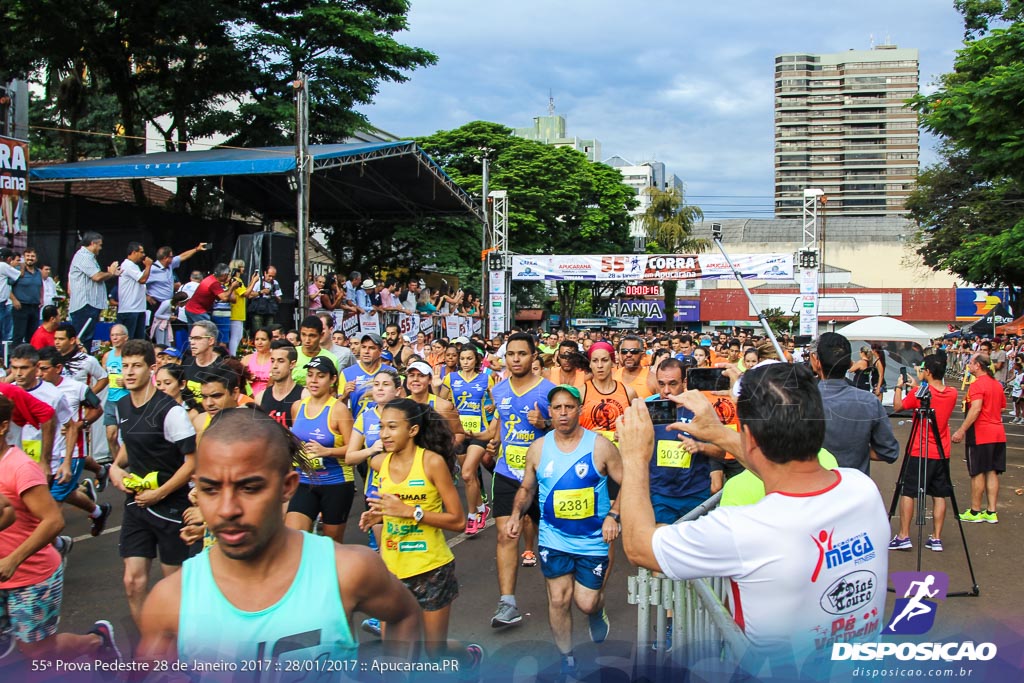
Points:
(417, 501)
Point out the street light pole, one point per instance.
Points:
(303, 175)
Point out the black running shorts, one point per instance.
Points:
(331, 501)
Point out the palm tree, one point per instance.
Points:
(668, 222)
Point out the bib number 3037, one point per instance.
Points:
(574, 503)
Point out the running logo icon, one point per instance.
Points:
(914, 613)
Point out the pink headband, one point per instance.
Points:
(596, 346)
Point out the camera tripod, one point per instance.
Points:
(924, 421)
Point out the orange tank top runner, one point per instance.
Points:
(600, 411)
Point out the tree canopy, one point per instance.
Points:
(969, 207)
(197, 69)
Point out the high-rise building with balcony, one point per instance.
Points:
(841, 124)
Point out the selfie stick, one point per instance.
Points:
(716, 236)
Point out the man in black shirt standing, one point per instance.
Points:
(277, 399)
(158, 443)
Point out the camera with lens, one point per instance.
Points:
(924, 395)
(716, 231)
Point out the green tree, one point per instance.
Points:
(969, 208)
(969, 224)
(669, 222)
(346, 48)
(216, 67)
(977, 106)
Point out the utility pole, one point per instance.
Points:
(486, 184)
(303, 176)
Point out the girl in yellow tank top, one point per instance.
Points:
(416, 501)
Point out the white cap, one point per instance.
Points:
(421, 367)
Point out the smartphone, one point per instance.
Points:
(207, 246)
(707, 379)
(662, 411)
(903, 373)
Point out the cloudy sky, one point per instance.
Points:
(687, 83)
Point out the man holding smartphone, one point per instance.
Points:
(680, 473)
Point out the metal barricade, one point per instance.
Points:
(704, 633)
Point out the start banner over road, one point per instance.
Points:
(619, 267)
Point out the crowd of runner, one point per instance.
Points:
(225, 461)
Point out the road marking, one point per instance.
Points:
(85, 537)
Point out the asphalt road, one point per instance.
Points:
(93, 588)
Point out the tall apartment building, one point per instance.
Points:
(841, 125)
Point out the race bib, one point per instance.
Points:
(673, 454)
(515, 457)
(33, 449)
(608, 435)
(316, 463)
(470, 423)
(574, 503)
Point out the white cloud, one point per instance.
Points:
(689, 84)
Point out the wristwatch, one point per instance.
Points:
(417, 514)
(615, 516)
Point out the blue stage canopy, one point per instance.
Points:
(354, 181)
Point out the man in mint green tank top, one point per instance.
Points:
(262, 592)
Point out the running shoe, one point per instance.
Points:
(371, 626)
(599, 625)
(990, 517)
(898, 543)
(89, 489)
(528, 559)
(483, 515)
(472, 525)
(66, 544)
(505, 615)
(100, 523)
(108, 649)
(934, 544)
(102, 478)
(568, 670)
(972, 516)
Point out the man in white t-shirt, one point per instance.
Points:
(808, 563)
(24, 369)
(131, 291)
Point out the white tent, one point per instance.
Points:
(884, 328)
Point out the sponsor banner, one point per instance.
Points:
(497, 314)
(369, 323)
(478, 326)
(458, 326)
(972, 304)
(618, 267)
(408, 324)
(497, 281)
(687, 310)
(426, 325)
(14, 192)
(350, 326)
(809, 301)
